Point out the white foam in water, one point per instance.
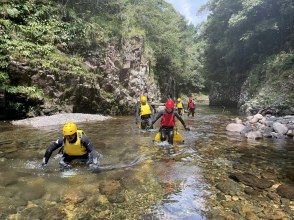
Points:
(32, 165)
(163, 144)
(68, 173)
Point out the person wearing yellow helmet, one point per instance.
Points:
(144, 112)
(75, 145)
(180, 106)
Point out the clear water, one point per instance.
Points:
(163, 185)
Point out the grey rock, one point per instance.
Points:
(280, 128)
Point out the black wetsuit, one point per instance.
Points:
(167, 131)
(89, 157)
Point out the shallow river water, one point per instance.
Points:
(163, 185)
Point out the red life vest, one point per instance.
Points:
(191, 104)
(168, 120)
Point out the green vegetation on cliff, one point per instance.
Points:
(247, 38)
(60, 37)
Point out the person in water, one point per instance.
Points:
(75, 145)
(191, 107)
(144, 113)
(180, 106)
(168, 122)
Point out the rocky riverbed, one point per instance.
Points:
(251, 178)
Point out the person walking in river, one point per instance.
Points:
(180, 106)
(75, 145)
(168, 122)
(191, 107)
(144, 113)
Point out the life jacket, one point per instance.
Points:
(168, 119)
(75, 149)
(145, 109)
(179, 105)
(191, 104)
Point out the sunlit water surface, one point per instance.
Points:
(164, 185)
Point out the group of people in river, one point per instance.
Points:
(76, 145)
(145, 115)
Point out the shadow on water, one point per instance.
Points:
(162, 186)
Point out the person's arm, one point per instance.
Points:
(181, 120)
(159, 114)
(90, 148)
(152, 109)
(52, 147)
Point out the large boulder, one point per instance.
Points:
(280, 128)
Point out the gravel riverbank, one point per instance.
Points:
(42, 121)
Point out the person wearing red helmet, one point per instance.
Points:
(191, 107)
(168, 123)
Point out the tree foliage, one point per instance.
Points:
(240, 34)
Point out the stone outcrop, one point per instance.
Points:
(111, 86)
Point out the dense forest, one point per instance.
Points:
(84, 56)
(249, 58)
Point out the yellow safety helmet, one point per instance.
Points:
(143, 99)
(179, 99)
(69, 128)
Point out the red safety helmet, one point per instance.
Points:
(170, 104)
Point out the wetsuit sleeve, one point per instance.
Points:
(159, 114)
(152, 110)
(90, 148)
(52, 147)
(180, 119)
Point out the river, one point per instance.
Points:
(185, 184)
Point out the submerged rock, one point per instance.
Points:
(286, 191)
(251, 180)
(229, 187)
(234, 127)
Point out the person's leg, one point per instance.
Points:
(162, 134)
(170, 134)
(149, 123)
(180, 111)
(193, 112)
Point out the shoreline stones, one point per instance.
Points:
(258, 127)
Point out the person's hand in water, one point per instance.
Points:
(44, 165)
(93, 166)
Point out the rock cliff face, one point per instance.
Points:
(112, 86)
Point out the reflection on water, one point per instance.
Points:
(166, 185)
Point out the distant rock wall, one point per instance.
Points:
(112, 85)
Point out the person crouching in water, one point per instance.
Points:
(144, 113)
(180, 106)
(75, 145)
(168, 122)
